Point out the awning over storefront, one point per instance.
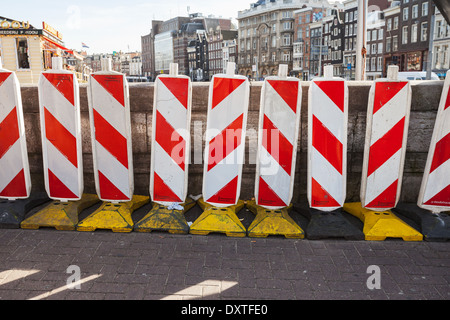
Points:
(58, 45)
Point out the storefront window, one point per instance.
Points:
(414, 61)
(22, 53)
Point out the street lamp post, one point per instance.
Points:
(361, 41)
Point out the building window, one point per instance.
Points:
(23, 61)
(380, 34)
(395, 24)
(425, 8)
(423, 31)
(379, 64)
(287, 25)
(389, 25)
(287, 14)
(394, 43)
(414, 33)
(287, 40)
(405, 14)
(405, 35)
(415, 11)
(388, 44)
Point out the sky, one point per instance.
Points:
(111, 25)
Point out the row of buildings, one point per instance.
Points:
(309, 34)
(128, 63)
(304, 34)
(198, 44)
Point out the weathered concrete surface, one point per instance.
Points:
(425, 102)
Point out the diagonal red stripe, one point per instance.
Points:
(334, 90)
(60, 137)
(162, 192)
(226, 195)
(223, 87)
(63, 83)
(385, 199)
(108, 190)
(111, 139)
(9, 131)
(113, 84)
(320, 197)
(288, 91)
(178, 87)
(277, 145)
(441, 152)
(327, 144)
(58, 189)
(172, 143)
(384, 92)
(268, 197)
(16, 187)
(4, 76)
(225, 142)
(383, 149)
(442, 198)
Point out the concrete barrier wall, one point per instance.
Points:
(425, 102)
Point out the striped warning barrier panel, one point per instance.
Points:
(384, 154)
(15, 182)
(386, 136)
(327, 159)
(59, 106)
(431, 212)
(435, 189)
(224, 151)
(277, 150)
(109, 112)
(170, 154)
(327, 143)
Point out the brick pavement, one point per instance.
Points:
(153, 266)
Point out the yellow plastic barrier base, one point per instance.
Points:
(163, 219)
(378, 225)
(116, 217)
(222, 220)
(273, 222)
(62, 216)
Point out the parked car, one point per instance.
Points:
(416, 75)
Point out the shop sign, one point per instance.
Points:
(51, 30)
(5, 24)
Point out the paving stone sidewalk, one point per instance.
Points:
(154, 266)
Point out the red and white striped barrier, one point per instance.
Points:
(277, 147)
(59, 106)
(109, 112)
(15, 182)
(435, 189)
(327, 142)
(225, 138)
(170, 155)
(385, 147)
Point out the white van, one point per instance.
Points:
(416, 75)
